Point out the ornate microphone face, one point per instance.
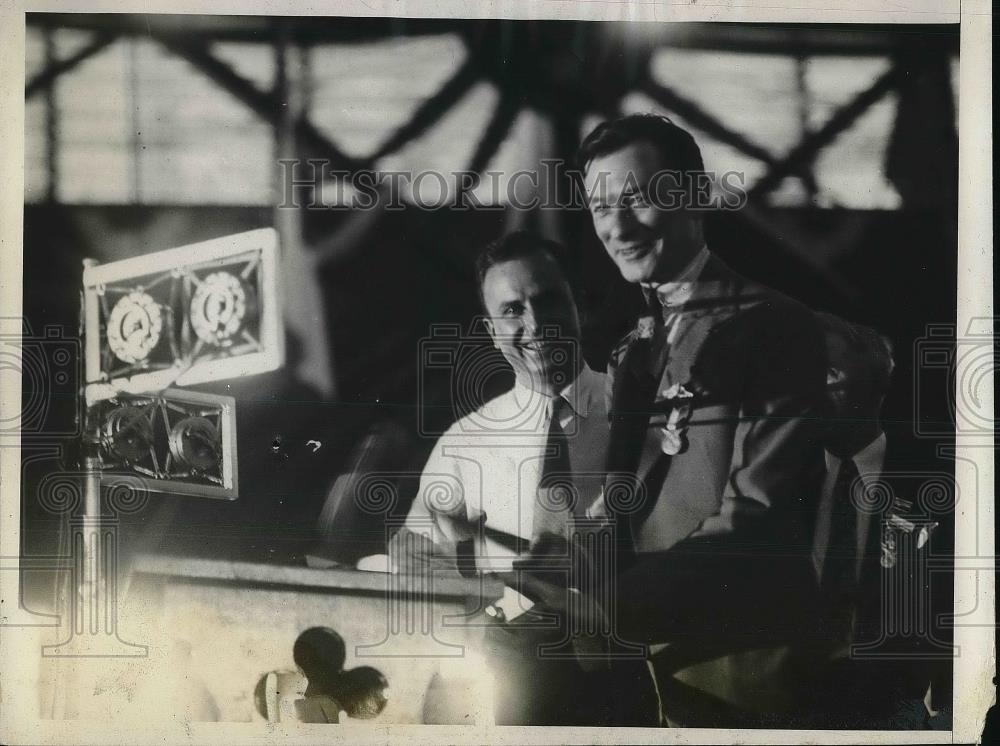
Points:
(219, 307)
(128, 433)
(195, 443)
(192, 314)
(176, 441)
(134, 327)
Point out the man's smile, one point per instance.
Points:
(537, 346)
(635, 251)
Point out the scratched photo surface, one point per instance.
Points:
(475, 372)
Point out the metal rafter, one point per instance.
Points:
(48, 76)
(432, 109)
(785, 39)
(698, 117)
(265, 104)
(51, 125)
(268, 105)
(253, 29)
(496, 131)
(808, 41)
(803, 154)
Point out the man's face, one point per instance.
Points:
(533, 321)
(852, 402)
(647, 235)
(847, 378)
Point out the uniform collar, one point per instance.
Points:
(870, 460)
(678, 291)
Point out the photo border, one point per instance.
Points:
(974, 581)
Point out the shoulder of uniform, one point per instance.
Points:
(790, 313)
(767, 303)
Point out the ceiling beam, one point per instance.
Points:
(783, 39)
(803, 154)
(432, 109)
(260, 29)
(702, 120)
(266, 105)
(48, 76)
(495, 133)
(809, 39)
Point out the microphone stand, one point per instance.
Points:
(93, 546)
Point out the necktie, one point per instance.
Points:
(560, 560)
(839, 579)
(631, 400)
(653, 307)
(546, 557)
(842, 551)
(635, 388)
(634, 391)
(661, 326)
(554, 496)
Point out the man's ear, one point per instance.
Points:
(488, 323)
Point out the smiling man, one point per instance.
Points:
(506, 491)
(650, 229)
(714, 402)
(548, 431)
(530, 313)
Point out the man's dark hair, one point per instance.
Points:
(870, 346)
(519, 245)
(680, 151)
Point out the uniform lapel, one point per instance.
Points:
(648, 368)
(717, 295)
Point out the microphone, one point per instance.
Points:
(320, 653)
(363, 692)
(321, 688)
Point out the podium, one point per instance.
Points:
(214, 628)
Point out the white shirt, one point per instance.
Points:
(870, 461)
(489, 464)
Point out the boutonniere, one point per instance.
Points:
(645, 327)
(677, 391)
(673, 435)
